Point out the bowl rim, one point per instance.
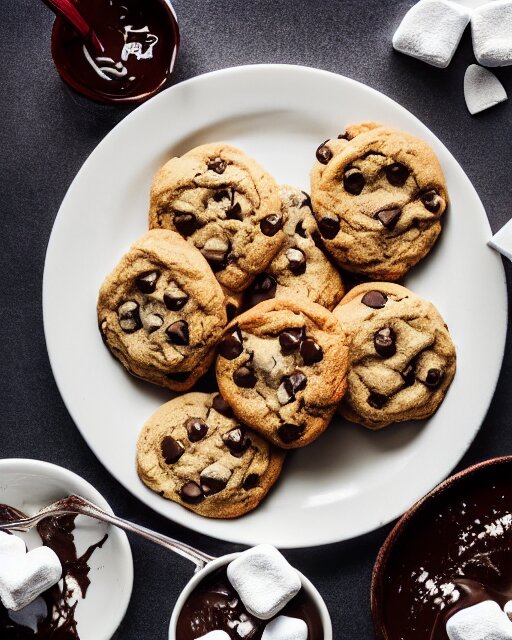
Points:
(377, 587)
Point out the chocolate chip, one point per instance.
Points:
(434, 377)
(212, 485)
(297, 261)
(263, 288)
(299, 230)
(397, 174)
(221, 406)
(175, 299)
(307, 201)
(374, 299)
(153, 322)
(129, 317)
(251, 482)
(290, 339)
(221, 195)
(237, 441)
(409, 376)
(244, 377)
(285, 392)
(177, 333)
(234, 212)
(196, 429)
(215, 250)
(384, 341)
(344, 136)
(271, 224)
(178, 376)
(290, 432)
(146, 283)
(218, 165)
(431, 201)
(231, 346)
(353, 181)
(185, 223)
(172, 450)
(323, 153)
(298, 381)
(191, 492)
(231, 310)
(311, 352)
(329, 227)
(377, 400)
(389, 217)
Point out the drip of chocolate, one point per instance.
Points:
(57, 533)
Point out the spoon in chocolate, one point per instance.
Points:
(69, 12)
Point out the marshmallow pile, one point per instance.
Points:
(431, 31)
(482, 621)
(25, 575)
(266, 583)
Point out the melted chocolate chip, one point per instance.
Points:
(146, 283)
(311, 352)
(397, 174)
(434, 377)
(237, 441)
(222, 194)
(251, 482)
(329, 227)
(344, 136)
(408, 375)
(389, 217)
(231, 346)
(299, 230)
(211, 485)
(323, 153)
(307, 201)
(175, 300)
(244, 377)
(172, 450)
(221, 406)
(271, 224)
(191, 492)
(263, 288)
(129, 317)
(185, 223)
(218, 165)
(377, 400)
(290, 339)
(374, 299)
(196, 429)
(353, 181)
(296, 261)
(290, 432)
(431, 200)
(177, 333)
(298, 381)
(234, 212)
(384, 342)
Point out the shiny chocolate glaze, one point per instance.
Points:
(59, 623)
(454, 551)
(215, 605)
(140, 38)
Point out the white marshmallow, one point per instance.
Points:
(215, 635)
(502, 240)
(11, 546)
(24, 577)
(508, 609)
(491, 28)
(31, 615)
(482, 89)
(285, 628)
(264, 580)
(431, 31)
(482, 621)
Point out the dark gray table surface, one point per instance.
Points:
(46, 134)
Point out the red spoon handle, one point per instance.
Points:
(67, 10)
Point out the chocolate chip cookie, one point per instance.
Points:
(195, 452)
(402, 358)
(161, 311)
(224, 203)
(300, 269)
(282, 368)
(378, 196)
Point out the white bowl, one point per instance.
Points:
(29, 485)
(307, 585)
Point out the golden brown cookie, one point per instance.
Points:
(193, 451)
(282, 368)
(378, 196)
(225, 204)
(161, 311)
(402, 358)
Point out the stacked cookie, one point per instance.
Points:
(244, 277)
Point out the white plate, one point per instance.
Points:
(351, 480)
(29, 485)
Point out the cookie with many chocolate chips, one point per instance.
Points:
(300, 269)
(282, 368)
(224, 203)
(402, 358)
(161, 311)
(194, 451)
(378, 196)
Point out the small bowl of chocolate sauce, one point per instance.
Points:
(451, 551)
(140, 40)
(209, 603)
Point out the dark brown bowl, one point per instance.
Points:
(399, 533)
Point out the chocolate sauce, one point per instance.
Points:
(140, 38)
(215, 605)
(59, 623)
(456, 551)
